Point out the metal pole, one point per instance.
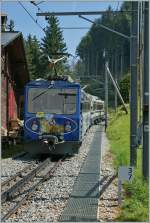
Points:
(105, 27)
(138, 67)
(106, 92)
(88, 63)
(96, 65)
(116, 80)
(146, 93)
(79, 13)
(117, 89)
(133, 90)
(47, 14)
(121, 69)
(141, 59)
(112, 62)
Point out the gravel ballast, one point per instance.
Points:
(108, 208)
(48, 202)
(11, 166)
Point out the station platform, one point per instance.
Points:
(82, 205)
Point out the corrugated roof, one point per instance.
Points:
(8, 37)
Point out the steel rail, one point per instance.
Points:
(8, 195)
(19, 155)
(48, 175)
(16, 175)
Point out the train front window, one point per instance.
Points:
(55, 101)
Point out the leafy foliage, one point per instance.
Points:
(125, 87)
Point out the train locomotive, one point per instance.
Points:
(57, 115)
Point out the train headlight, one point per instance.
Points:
(34, 126)
(68, 127)
(61, 137)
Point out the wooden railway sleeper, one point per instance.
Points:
(32, 189)
(9, 194)
(17, 174)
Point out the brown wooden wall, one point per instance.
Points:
(3, 95)
(7, 87)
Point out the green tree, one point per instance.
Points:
(33, 54)
(79, 68)
(53, 44)
(91, 47)
(125, 87)
(101, 38)
(11, 25)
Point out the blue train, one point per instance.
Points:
(57, 115)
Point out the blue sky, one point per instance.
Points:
(72, 38)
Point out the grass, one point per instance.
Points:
(135, 205)
(11, 150)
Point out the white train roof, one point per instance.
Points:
(92, 98)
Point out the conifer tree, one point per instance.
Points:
(33, 54)
(53, 44)
(97, 39)
(91, 47)
(11, 26)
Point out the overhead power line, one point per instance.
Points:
(35, 4)
(105, 27)
(32, 17)
(39, 9)
(75, 27)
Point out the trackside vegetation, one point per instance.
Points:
(135, 204)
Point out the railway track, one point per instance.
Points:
(12, 180)
(15, 195)
(19, 155)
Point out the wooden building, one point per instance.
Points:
(14, 75)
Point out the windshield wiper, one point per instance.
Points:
(43, 92)
(39, 95)
(64, 94)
